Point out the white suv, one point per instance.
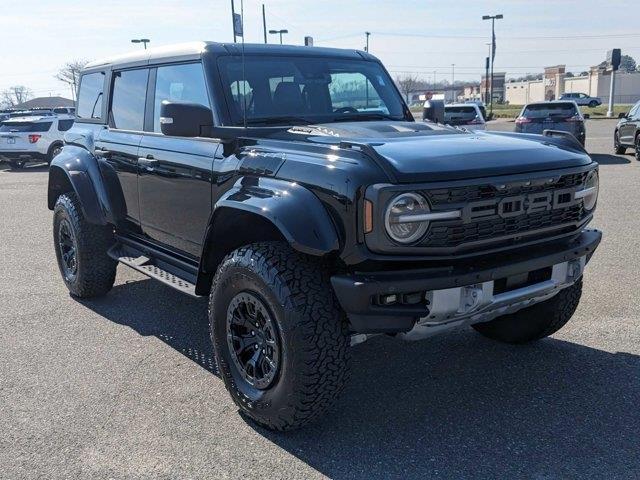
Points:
(32, 139)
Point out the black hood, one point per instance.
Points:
(417, 151)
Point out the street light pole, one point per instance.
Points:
(493, 19)
(144, 41)
(366, 48)
(264, 24)
(279, 32)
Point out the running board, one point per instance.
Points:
(170, 275)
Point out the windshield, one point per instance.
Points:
(545, 110)
(297, 90)
(25, 126)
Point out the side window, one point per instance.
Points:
(128, 99)
(64, 125)
(183, 83)
(633, 111)
(90, 95)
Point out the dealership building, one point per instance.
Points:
(555, 82)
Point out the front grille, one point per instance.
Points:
(513, 230)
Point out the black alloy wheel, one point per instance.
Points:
(68, 247)
(253, 340)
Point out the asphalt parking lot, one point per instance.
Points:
(125, 386)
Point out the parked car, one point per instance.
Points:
(467, 115)
(32, 138)
(582, 99)
(481, 106)
(260, 178)
(554, 115)
(627, 132)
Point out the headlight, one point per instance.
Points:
(589, 193)
(398, 217)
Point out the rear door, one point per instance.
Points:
(628, 128)
(175, 173)
(118, 143)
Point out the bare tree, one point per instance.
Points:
(70, 74)
(407, 84)
(15, 95)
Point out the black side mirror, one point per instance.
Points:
(622, 115)
(184, 119)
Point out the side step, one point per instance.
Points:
(164, 272)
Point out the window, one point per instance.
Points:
(10, 126)
(184, 83)
(307, 89)
(544, 110)
(128, 100)
(90, 95)
(64, 125)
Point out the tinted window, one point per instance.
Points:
(544, 110)
(25, 127)
(458, 115)
(64, 125)
(183, 83)
(128, 99)
(90, 95)
(313, 89)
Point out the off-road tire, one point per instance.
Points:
(312, 330)
(535, 322)
(619, 149)
(96, 271)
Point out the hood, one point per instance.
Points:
(420, 152)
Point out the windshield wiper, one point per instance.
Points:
(283, 120)
(365, 116)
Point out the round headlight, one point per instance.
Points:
(398, 217)
(591, 186)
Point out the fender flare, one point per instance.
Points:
(294, 210)
(80, 169)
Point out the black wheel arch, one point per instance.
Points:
(265, 209)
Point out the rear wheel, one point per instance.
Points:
(280, 338)
(593, 104)
(637, 149)
(54, 150)
(81, 250)
(619, 149)
(535, 322)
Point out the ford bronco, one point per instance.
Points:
(292, 186)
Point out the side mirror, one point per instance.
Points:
(184, 119)
(622, 115)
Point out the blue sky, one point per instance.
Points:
(409, 36)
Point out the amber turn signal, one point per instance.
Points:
(368, 216)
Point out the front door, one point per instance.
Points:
(628, 128)
(175, 173)
(118, 143)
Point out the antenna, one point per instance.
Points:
(244, 81)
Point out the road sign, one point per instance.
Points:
(237, 25)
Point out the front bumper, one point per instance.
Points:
(438, 287)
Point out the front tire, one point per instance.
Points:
(17, 164)
(535, 322)
(619, 149)
(54, 150)
(280, 339)
(637, 147)
(593, 104)
(81, 249)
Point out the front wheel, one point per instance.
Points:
(593, 104)
(281, 341)
(619, 149)
(54, 150)
(17, 164)
(637, 149)
(535, 322)
(81, 250)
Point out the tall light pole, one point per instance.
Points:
(264, 24)
(366, 48)
(453, 88)
(493, 19)
(141, 40)
(278, 32)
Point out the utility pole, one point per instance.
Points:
(233, 21)
(366, 48)
(486, 80)
(144, 41)
(279, 32)
(493, 19)
(264, 24)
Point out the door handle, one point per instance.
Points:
(147, 162)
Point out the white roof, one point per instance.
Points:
(190, 48)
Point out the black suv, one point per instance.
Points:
(627, 132)
(292, 186)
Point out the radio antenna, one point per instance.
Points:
(244, 81)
